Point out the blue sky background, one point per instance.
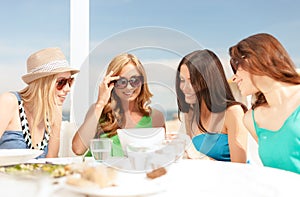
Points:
(216, 24)
(27, 26)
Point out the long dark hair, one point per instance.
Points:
(262, 54)
(209, 82)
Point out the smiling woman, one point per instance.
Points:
(264, 68)
(123, 102)
(213, 118)
(31, 117)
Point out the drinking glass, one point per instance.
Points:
(174, 148)
(140, 155)
(179, 144)
(101, 149)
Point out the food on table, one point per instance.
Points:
(76, 181)
(156, 173)
(53, 170)
(100, 176)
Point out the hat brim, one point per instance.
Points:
(28, 78)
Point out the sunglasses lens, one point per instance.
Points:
(135, 81)
(62, 82)
(233, 69)
(121, 83)
(234, 65)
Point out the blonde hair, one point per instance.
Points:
(41, 94)
(112, 116)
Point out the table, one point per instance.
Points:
(214, 178)
(184, 178)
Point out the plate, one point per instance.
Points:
(17, 156)
(57, 160)
(126, 185)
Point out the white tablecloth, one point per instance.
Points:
(213, 178)
(183, 178)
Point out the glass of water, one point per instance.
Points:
(140, 155)
(101, 149)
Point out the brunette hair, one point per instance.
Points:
(209, 83)
(263, 55)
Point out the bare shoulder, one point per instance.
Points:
(8, 107)
(234, 117)
(8, 99)
(158, 119)
(156, 112)
(235, 110)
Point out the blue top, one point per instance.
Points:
(214, 145)
(281, 148)
(15, 139)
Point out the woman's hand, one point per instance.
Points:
(105, 88)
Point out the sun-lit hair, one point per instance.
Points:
(209, 83)
(263, 55)
(112, 117)
(39, 97)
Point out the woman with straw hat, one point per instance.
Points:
(31, 118)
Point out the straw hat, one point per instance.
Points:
(46, 62)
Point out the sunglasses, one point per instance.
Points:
(134, 81)
(235, 63)
(60, 83)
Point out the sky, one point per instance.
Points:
(27, 26)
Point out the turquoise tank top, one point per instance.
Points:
(145, 122)
(281, 148)
(214, 145)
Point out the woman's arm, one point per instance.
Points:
(8, 109)
(237, 134)
(87, 130)
(158, 119)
